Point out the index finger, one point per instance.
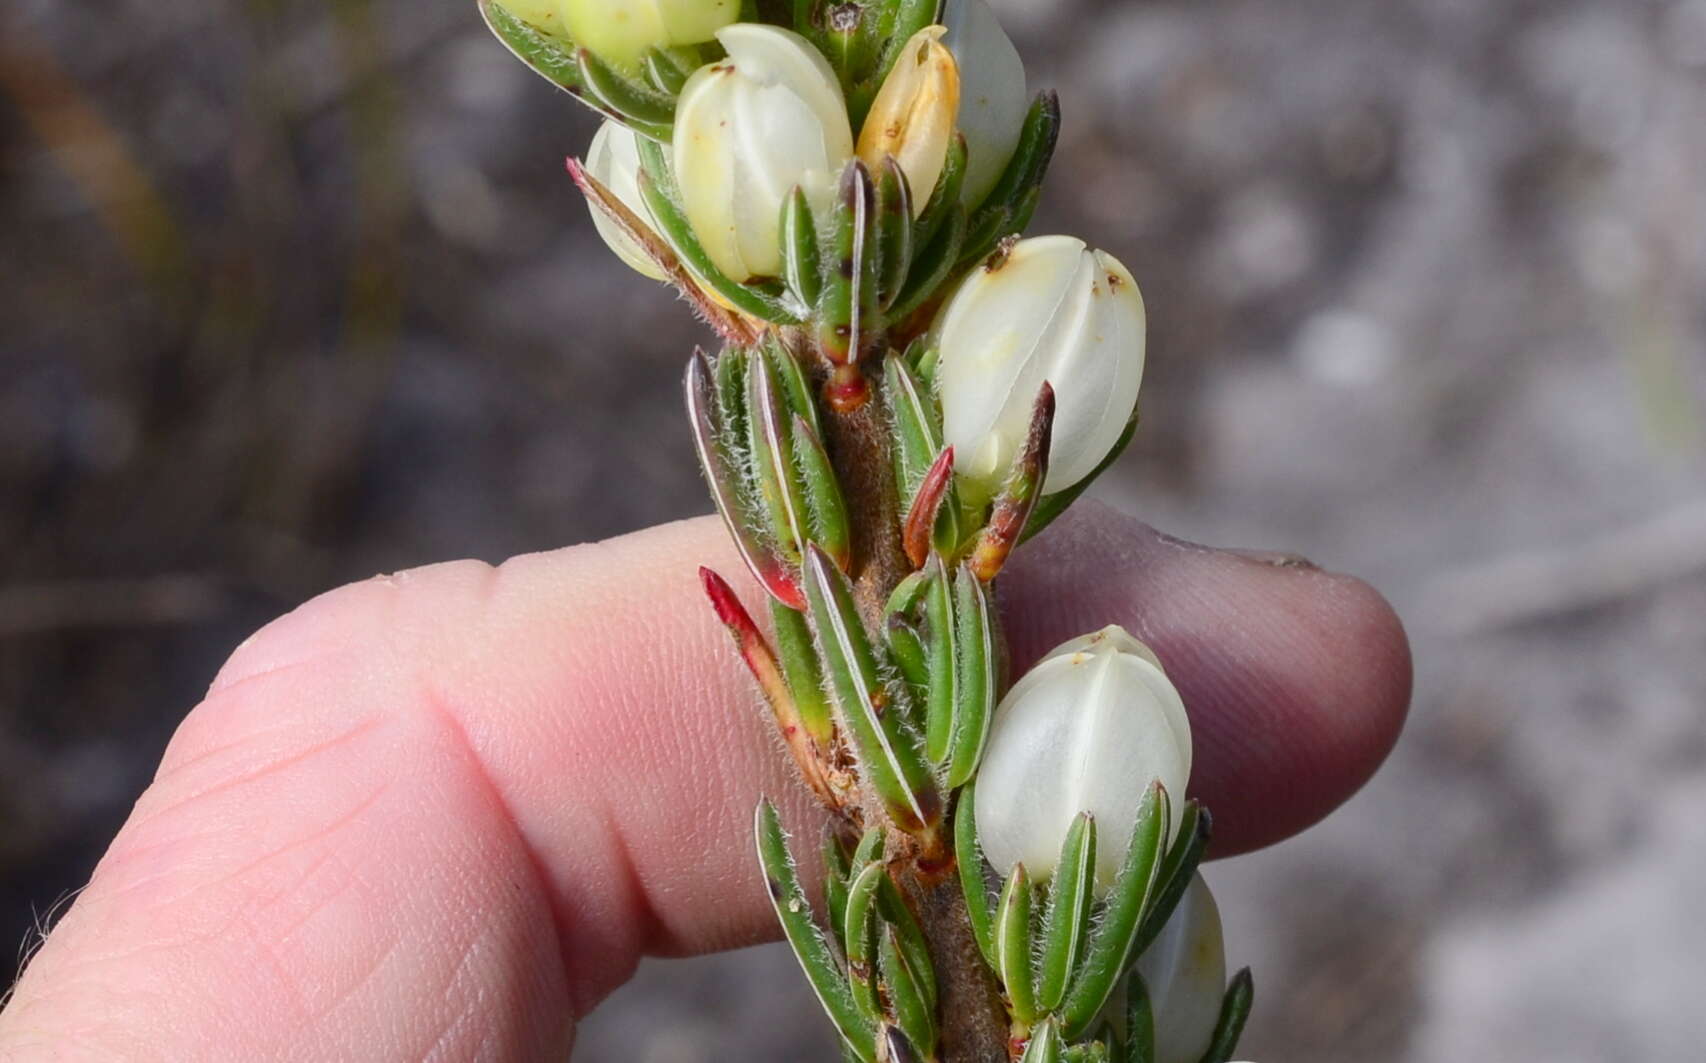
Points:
(446, 811)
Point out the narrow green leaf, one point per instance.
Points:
(908, 593)
(870, 847)
(805, 676)
(913, 1010)
(1234, 1013)
(666, 72)
(1110, 949)
(552, 58)
(1013, 959)
(1066, 924)
(1019, 219)
(942, 694)
(946, 194)
(769, 443)
(843, 318)
(899, 1049)
(657, 188)
(907, 651)
(887, 751)
(796, 390)
(1037, 139)
(932, 266)
(709, 418)
(969, 855)
(1051, 506)
(985, 232)
(911, 935)
(893, 232)
(974, 696)
(1177, 870)
(835, 876)
(916, 426)
(1045, 1045)
(827, 979)
(642, 107)
(826, 509)
(859, 931)
(1139, 1022)
(802, 264)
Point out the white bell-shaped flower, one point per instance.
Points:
(1088, 729)
(620, 31)
(614, 161)
(912, 118)
(993, 99)
(1185, 972)
(747, 131)
(1051, 310)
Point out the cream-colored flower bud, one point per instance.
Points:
(614, 161)
(913, 116)
(1088, 729)
(1185, 973)
(993, 100)
(747, 131)
(620, 31)
(1052, 310)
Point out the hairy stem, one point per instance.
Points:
(971, 1013)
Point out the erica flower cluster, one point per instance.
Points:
(908, 389)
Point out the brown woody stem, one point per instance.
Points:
(972, 1016)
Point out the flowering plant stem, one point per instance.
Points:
(906, 391)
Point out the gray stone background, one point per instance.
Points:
(294, 292)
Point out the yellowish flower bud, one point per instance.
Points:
(620, 31)
(913, 116)
(748, 130)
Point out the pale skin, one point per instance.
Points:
(440, 815)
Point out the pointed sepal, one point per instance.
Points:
(1051, 506)
(1234, 1012)
(1111, 944)
(1013, 959)
(802, 262)
(1019, 494)
(969, 857)
(1177, 871)
(976, 664)
(918, 533)
(1066, 924)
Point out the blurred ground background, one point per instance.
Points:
(294, 292)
